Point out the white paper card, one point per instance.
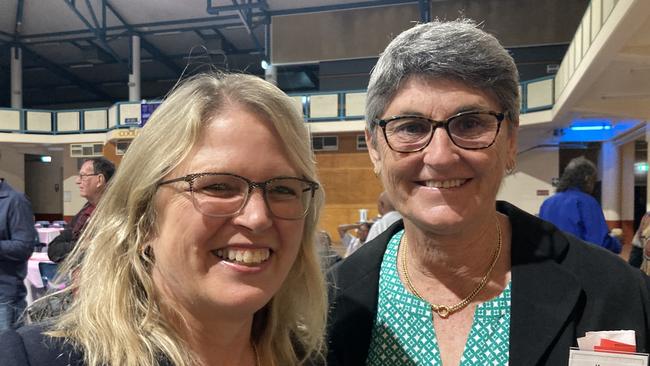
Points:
(591, 358)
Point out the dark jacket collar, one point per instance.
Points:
(543, 292)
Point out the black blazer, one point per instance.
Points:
(28, 346)
(562, 287)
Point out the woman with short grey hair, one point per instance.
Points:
(464, 279)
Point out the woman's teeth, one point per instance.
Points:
(243, 256)
(445, 183)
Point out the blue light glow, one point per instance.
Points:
(595, 129)
(591, 128)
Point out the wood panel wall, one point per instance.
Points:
(349, 183)
(109, 153)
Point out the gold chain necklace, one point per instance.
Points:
(443, 310)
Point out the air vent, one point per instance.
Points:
(86, 150)
(361, 142)
(121, 146)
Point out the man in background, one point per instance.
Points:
(17, 239)
(388, 216)
(350, 241)
(92, 180)
(574, 210)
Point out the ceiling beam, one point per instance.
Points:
(94, 17)
(215, 10)
(227, 46)
(65, 74)
(146, 45)
(425, 11)
(9, 37)
(20, 10)
(361, 4)
(164, 26)
(246, 17)
(99, 34)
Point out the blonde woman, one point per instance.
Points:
(201, 252)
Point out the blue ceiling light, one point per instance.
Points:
(594, 129)
(591, 128)
(590, 124)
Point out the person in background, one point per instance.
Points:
(92, 180)
(638, 242)
(388, 216)
(17, 235)
(353, 242)
(644, 238)
(465, 279)
(199, 253)
(573, 209)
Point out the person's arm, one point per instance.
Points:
(343, 229)
(596, 230)
(61, 246)
(20, 245)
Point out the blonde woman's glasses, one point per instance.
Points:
(226, 194)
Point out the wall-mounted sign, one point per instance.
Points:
(131, 121)
(146, 110)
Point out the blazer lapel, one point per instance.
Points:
(354, 286)
(543, 299)
(544, 294)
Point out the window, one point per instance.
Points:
(361, 142)
(325, 143)
(121, 146)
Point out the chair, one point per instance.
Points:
(59, 223)
(48, 273)
(43, 223)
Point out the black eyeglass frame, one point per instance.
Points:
(82, 176)
(190, 178)
(500, 116)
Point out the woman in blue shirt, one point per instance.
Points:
(573, 209)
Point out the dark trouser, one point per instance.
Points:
(636, 256)
(10, 311)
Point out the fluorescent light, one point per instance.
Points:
(46, 159)
(591, 128)
(80, 66)
(168, 33)
(265, 64)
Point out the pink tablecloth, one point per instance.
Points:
(47, 234)
(33, 274)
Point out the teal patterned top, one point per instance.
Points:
(403, 332)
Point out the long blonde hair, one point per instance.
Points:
(115, 318)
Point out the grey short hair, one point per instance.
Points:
(576, 173)
(454, 50)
